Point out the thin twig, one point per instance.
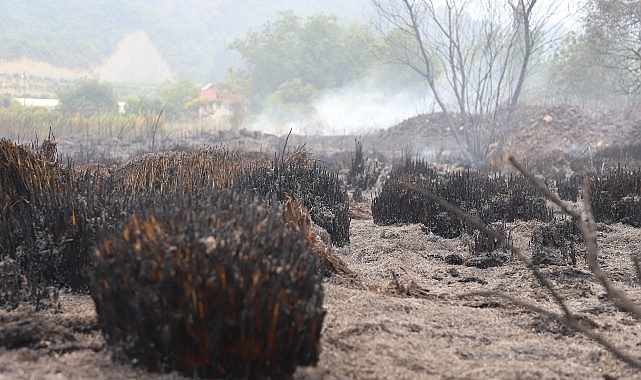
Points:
(637, 267)
(572, 323)
(588, 227)
(544, 189)
(282, 155)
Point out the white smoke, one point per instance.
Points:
(352, 110)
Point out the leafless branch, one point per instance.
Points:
(573, 323)
(588, 227)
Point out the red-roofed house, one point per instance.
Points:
(214, 102)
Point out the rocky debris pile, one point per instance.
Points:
(569, 129)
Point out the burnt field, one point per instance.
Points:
(262, 257)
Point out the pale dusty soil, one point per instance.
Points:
(372, 334)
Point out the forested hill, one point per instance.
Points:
(191, 35)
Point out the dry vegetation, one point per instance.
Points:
(216, 262)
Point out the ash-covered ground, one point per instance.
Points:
(374, 331)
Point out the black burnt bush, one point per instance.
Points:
(482, 242)
(556, 243)
(628, 154)
(51, 215)
(616, 196)
(396, 205)
(362, 174)
(569, 188)
(494, 198)
(318, 189)
(48, 241)
(628, 210)
(44, 236)
(444, 224)
(603, 207)
(214, 285)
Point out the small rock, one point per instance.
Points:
(487, 260)
(454, 259)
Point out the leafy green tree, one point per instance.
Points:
(318, 51)
(88, 97)
(136, 105)
(293, 91)
(576, 75)
(333, 55)
(173, 94)
(237, 86)
(292, 100)
(613, 29)
(269, 55)
(5, 100)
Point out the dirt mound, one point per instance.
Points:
(537, 129)
(567, 128)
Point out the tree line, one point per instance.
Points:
(477, 59)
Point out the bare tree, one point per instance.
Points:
(474, 56)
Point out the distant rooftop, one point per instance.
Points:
(34, 102)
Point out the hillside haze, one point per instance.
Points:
(136, 59)
(121, 39)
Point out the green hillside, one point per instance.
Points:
(192, 35)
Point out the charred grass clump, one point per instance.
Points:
(318, 189)
(181, 172)
(43, 228)
(568, 188)
(202, 262)
(556, 243)
(215, 286)
(565, 313)
(616, 196)
(112, 193)
(628, 155)
(491, 199)
(204, 275)
(363, 174)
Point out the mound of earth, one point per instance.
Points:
(537, 130)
